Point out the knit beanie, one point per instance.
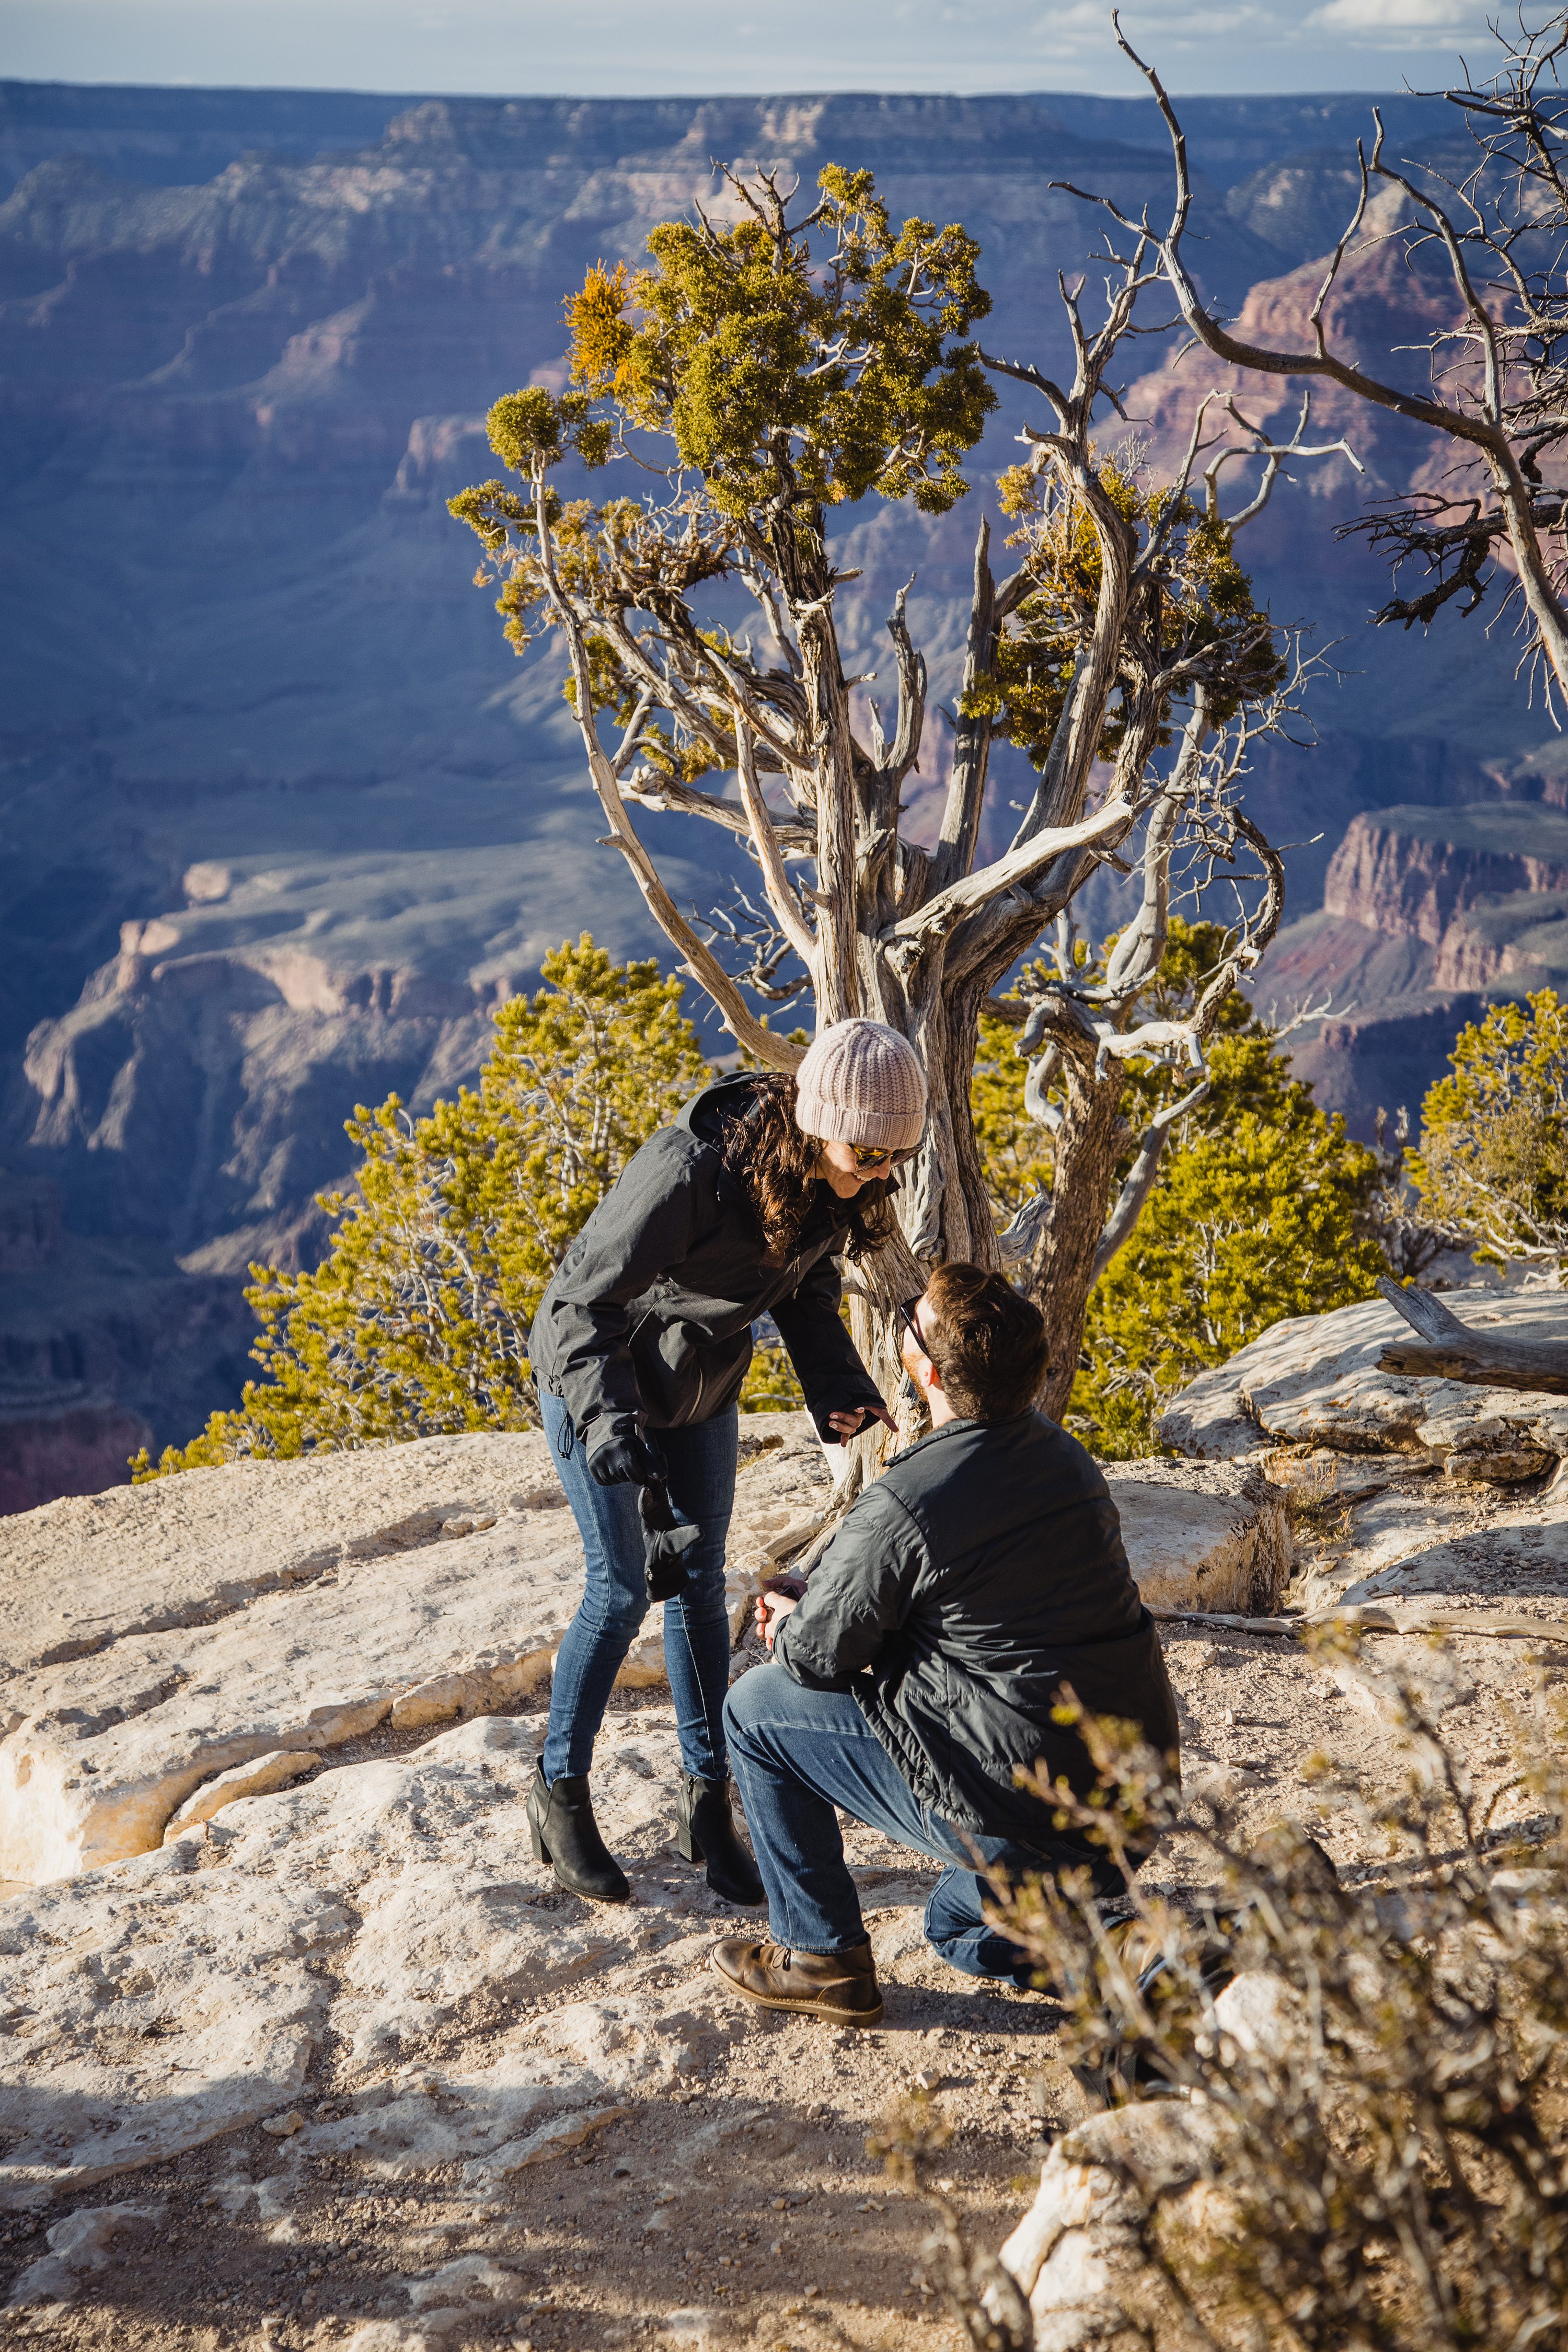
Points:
(860, 1082)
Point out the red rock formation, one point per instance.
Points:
(1396, 875)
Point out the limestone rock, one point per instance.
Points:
(1313, 1381)
(148, 2008)
(164, 1636)
(698, 2324)
(1078, 2253)
(178, 1646)
(471, 2279)
(1318, 1476)
(85, 1573)
(1525, 1553)
(148, 2013)
(1203, 1536)
(257, 1778)
(86, 2241)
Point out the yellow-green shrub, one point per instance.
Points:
(417, 1323)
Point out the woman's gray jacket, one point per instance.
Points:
(981, 1574)
(649, 1317)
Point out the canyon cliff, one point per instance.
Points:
(283, 818)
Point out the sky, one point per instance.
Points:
(620, 47)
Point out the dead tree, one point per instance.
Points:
(1498, 373)
(1123, 647)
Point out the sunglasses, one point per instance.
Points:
(876, 1155)
(905, 1311)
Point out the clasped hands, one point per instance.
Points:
(778, 1596)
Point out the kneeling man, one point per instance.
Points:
(979, 1574)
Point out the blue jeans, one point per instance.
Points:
(615, 1601)
(800, 1754)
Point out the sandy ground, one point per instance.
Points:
(742, 2205)
(736, 2201)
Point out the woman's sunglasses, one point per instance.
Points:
(874, 1155)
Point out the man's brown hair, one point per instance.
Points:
(987, 1343)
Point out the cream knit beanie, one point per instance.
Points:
(861, 1083)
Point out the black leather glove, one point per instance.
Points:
(626, 1458)
(665, 1545)
(825, 1429)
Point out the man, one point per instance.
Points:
(920, 1670)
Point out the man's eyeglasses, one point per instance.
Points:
(876, 1155)
(906, 1313)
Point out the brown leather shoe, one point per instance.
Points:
(839, 1986)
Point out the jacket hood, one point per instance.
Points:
(709, 1111)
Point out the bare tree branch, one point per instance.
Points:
(702, 965)
(916, 933)
(1141, 1176)
(764, 841)
(972, 737)
(651, 789)
(1493, 424)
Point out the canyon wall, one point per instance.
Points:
(1414, 871)
(283, 818)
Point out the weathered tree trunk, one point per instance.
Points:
(1092, 1139)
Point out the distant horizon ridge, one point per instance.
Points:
(1377, 95)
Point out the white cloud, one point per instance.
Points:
(1396, 24)
(1086, 23)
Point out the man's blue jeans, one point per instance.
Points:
(615, 1601)
(797, 1756)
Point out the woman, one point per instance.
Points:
(639, 1348)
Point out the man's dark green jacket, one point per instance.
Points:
(983, 1571)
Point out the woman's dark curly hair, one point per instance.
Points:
(776, 1164)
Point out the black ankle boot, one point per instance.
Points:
(705, 1832)
(565, 1834)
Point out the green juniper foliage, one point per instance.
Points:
(767, 372)
(1196, 616)
(1493, 1156)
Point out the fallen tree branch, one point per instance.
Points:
(1452, 1351)
(1372, 1617)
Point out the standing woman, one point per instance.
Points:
(639, 1348)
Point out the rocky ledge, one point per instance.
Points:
(1314, 1380)
(1400, 1489)
(299, 2046)
(174, 1647)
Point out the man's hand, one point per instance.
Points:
(772, 1608)
(845, 1425)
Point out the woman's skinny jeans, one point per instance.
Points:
(701, 1459)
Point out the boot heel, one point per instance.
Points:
(540, 1851)
(689, 1849)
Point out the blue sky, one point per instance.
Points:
(614, 47)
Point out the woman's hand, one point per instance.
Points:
(772, 1608)
(627, 1458)
(845, 1425)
